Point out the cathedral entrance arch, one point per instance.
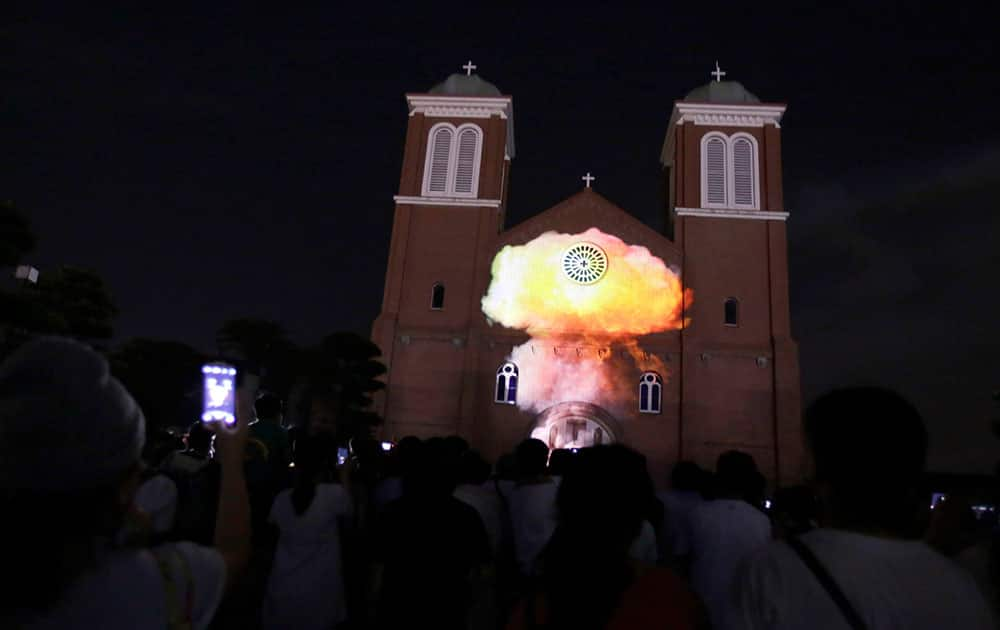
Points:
(575, 425)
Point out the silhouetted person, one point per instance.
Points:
(69, 465)
(476, 490)
(724, 531)
(868, 448)
(587, 579)
(684, 495)
(196, 476)
(559, 461)
(397, 465)
(794, 511)
(306, 586)
(269, 430)
(429, 548)
(532, 503)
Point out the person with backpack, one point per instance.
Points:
(70, 451)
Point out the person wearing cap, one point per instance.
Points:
(71, 437)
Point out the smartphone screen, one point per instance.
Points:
(341, 456)
(219, 393)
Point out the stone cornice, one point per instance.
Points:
(731, 213)
(447, 201)
(717, 115)
(434, 106)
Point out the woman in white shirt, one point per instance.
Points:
(306, 586)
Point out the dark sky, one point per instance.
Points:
(222, 162)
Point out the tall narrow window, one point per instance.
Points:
(438, 159)
(467, 169)
(714, 162)
(732, 312)
(650, 392)
(506, 390)
(437, 296)
(744, 172)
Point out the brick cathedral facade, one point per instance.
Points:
(731, 373)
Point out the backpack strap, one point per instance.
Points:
(178, 612)
(827, 582)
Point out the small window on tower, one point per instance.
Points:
(437, 297)
(506, 391)
(732, 312)
(650, 392)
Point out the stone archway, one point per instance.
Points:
(575, 425)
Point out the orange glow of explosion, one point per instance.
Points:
(584, 344)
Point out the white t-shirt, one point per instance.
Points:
(891, 584)
(306, 586)
(677, 506)
(723, 533)
(127, 590)
(157, 497)
(486, 501)
(533, 516)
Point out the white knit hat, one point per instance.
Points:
(65, 422)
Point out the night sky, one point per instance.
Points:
(222, 162)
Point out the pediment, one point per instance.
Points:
(588, 209)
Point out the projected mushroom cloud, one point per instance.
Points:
(585, 300)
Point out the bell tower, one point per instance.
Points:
(740, 372)
(448, 213)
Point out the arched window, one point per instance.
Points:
(437, 296)
(714, 167)
(438, 159)
(650, 392)
(506, 391)
(743, 148)
(452, 164)
(732, 312)
(467, 168)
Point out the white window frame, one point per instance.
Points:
(657, 387)
(456, 132)
(704, 168)
(729, 142)
(505, 399)
(754, 176)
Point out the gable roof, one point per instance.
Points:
(588, 209)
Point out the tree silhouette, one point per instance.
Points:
(164, 377)
(262, 343)
(347, 363)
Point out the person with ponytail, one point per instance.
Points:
(306, 586)
(586, 577)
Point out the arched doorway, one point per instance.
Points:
(575, 425)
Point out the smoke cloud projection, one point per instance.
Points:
(584, 309)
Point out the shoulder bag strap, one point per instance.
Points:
(827, 582)
(178, 612)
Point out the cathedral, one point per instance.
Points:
(582, 325)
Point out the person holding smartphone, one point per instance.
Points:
(69, 467)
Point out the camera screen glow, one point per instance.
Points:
(219, 394)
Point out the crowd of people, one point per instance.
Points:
(260, 525)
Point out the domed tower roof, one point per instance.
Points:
(461, 84)
(723, 93)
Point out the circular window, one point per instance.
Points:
(585, 263)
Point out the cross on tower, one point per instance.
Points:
(718, 74)
(588, 178)
(469, 67)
